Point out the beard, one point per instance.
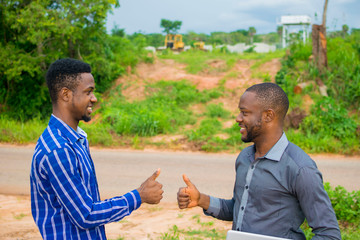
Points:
(86, 118)
(252, 132)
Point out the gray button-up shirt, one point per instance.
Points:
(274, 194)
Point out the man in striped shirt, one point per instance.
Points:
(65, 198)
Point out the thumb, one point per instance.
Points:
(187, 181)
(155, 174)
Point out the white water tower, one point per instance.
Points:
(294, 20)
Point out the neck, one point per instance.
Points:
(264, 144)
(65, 118)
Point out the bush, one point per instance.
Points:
(216, 110)
(346, 204)
(329, 119)
(163, 111)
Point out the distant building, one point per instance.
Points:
(288, 21)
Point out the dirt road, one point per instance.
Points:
(119, 171)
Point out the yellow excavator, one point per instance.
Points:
(200, 45)
(174, 42)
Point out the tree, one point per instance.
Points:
(345, 29)
(116, 31)
(238, 36)
(319, 42)
(252, 32)
(34, 34)
(170, 27)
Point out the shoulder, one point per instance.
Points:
(247, 150)
(52, 140)
(296, 155)
(245, 154)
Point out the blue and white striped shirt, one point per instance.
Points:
(65, 199)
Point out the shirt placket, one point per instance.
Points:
(84, 144)
(245, 195)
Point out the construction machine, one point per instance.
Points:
(174, 42)
(200, 45)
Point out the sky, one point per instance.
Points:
(206, 16)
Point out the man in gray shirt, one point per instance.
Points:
(277, 184)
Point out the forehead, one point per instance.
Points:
(249, 101)
(86, 80)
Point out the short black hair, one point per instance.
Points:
(64, 73)
(271, 96)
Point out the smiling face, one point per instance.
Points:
(83, 98)
(250, 118)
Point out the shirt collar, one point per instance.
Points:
(66, 130)
(81, 132)
(278, 149)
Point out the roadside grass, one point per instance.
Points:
(12, 131)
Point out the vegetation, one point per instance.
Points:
(163, 111)
(200, 61)
(35, 33)
(215, 38)
(332, 124)
(170, 26)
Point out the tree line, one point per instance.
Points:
(33, 34)
(214, 38)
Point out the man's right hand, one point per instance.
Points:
(189, 196)
(151, 191)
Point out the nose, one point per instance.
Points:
(239, 118)
(93, 98)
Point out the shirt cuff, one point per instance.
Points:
(214, 207)
(134, 200)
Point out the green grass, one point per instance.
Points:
(13, 131)
(214, 110)
(163, 111)
(20, 216)
(199, 61)
(166, 108)
(200, 230)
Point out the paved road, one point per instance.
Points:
(119, 171)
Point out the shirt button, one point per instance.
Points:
(242, 208)
(247, 187)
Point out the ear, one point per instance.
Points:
(65, 94)
(269, 115)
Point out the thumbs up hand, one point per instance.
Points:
(151, 191)
(188, 196)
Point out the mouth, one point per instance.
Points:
(242, 129)
(89, 109)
